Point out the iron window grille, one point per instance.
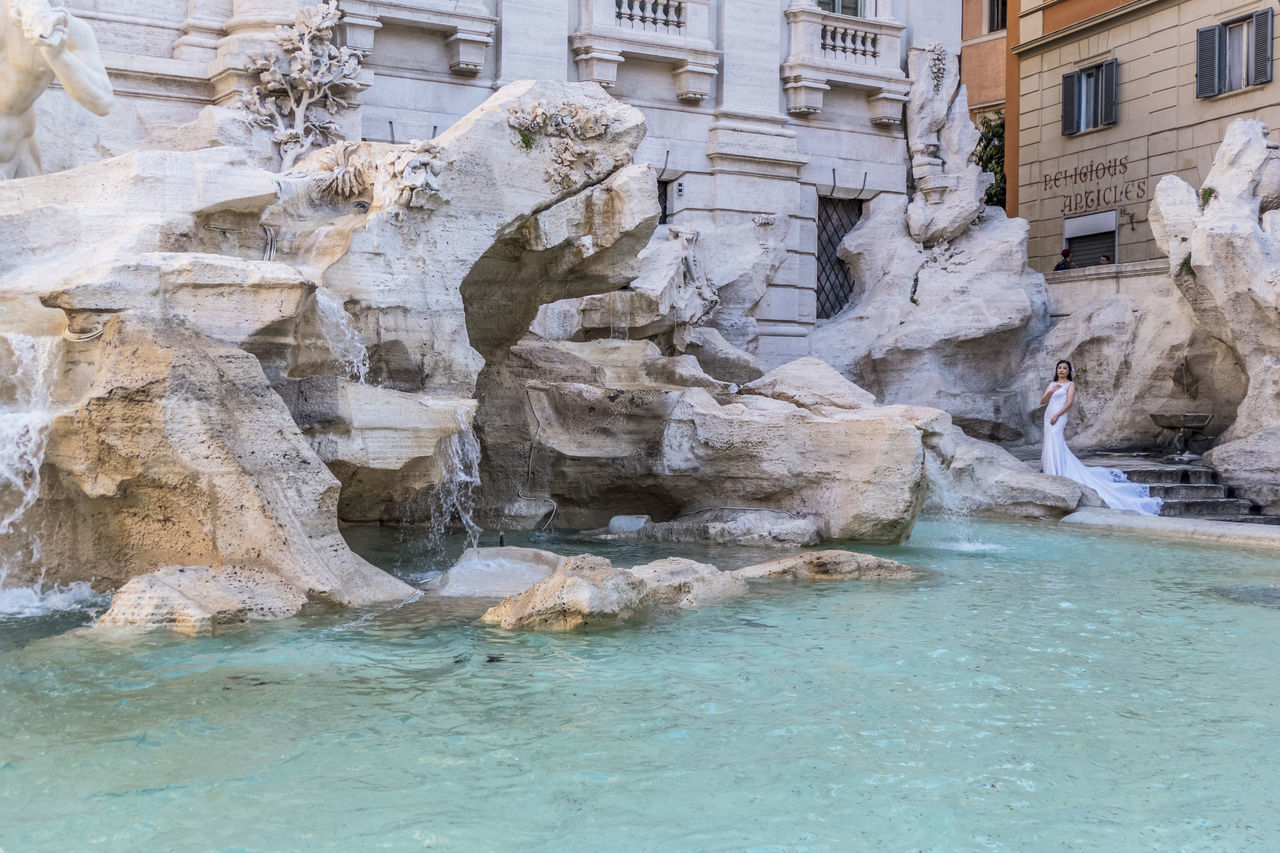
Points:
(836, 288)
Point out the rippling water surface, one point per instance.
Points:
(1046, 691)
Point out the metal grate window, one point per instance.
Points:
(664, 189)
(1087, 249)
(836, 218)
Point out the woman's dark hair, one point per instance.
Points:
(1055, 370)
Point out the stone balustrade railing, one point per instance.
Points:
(663, 16)
(826, 49)
(677, 32)
(843, 42)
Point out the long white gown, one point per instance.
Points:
(1111, 485)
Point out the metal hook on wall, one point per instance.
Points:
(665, 161)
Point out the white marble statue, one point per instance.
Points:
(38, 43)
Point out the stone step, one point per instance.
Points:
(1246, 519)
(1187, 492)
(1212, 507)
(1185, 474)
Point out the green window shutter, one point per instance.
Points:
(1109, 73)
(1071, 103)
(1208, 46)
(1260, 71)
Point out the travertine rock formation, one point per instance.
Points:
(584, 592)
(1224, 258)
(1135, 356)
(984, 479)
(694, 292)
(174, 451)
(688, 584)
(589, 592)
(832, 565)
(607, 427)
(177, 453)
(950, 185)
(948, 327)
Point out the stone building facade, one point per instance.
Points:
(984, 51)
(1110, 97)
(790, 109)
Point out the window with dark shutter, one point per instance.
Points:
(1071, 103)
(1089, 97)
(1107, 99)
(1260, 68)
(1234, 54)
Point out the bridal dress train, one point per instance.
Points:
(1111, 485)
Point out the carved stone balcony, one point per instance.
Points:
(466, 26)
(676, 32)
(826, 50)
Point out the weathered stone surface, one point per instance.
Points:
(1222, 244)
(812, 384)
(948, 327)
(733, 527)
(984, 479)
(498, 572)
(178, 453)
(584, 592)
(621, 442)
(173, 450)
(949, 183)
(199, 600)
(832, 565)
(692, 291)
(1135, 356)
(1252, 464)
(386, 447)
(683, 583)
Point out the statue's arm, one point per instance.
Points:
(79, 68)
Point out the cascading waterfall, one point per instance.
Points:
(945, 503)
(341, 335)
(27, 363)
(25, 415)
(454, 497)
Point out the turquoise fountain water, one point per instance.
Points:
(1047, 691)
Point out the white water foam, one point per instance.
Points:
(454, 497)
(341, 335)
(25, 415)
(41, 599)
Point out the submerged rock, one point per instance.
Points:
(685, 583)
(199, 600)
(498, 572)
(583, 592)
(729, 527)
(832, 565)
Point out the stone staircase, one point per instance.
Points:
(1188, 490)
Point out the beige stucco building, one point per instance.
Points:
(1112, 96)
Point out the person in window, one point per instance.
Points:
(1065, 263)
(1104, 260)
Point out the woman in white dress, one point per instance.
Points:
(1057, 459)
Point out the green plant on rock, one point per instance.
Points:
(990, 156)
(526, 138)
(1207, 195)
